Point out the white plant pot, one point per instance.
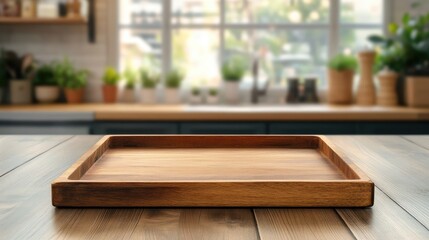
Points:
(148, 96)
(195, 99)
(47, 94)
(212, 100)
(172, 96)
(232, 92)
(20, 92)
(128, 96)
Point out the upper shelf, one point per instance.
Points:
(47, 21)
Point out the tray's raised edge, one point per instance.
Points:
(75, 167)
(360, 174)
(338, 193)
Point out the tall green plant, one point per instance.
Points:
(111, 77)
(174, 78)
(406, 49)
(343, 62)
(69, 77)
(149, 79)
(45, 76)
(234, 69)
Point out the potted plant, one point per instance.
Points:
(406, 51)
(196, 96)
(46, 86)
(233, 71)
(130, 78)
(73, 81)
(149, 82)
(110, 87)
(173, 80)
(213, 96)
(20, 71)
(341, 74)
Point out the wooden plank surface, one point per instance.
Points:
(397, 166)
(17, 150)
(385, 220)
(279, 224)
(26, 212)
(138, 112)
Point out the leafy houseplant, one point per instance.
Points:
(46, 85)
(233, 71)
(173, 80)
(72, 80)
(110, 87)
(406, 51)
(19, 71)
(130, 80)
(341, 73)
(149, 82)
(213, 97)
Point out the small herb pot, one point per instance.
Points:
(232, 92)
(47, 94)
(74, 96)
(20, 92)
(148, 95)
(110, 93)
(172, 96)
(128, 95)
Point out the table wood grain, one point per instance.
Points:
(398, 165)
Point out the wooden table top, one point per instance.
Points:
(139, 112)
(398, 165)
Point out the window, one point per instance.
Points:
(293, 37)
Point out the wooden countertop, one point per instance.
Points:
(398, 165)
(138, 112)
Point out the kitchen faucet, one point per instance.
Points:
(256, 93)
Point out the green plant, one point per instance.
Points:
(343, 62)
(18, 68)
(406, 49)
(149, 79)
(196, 91)
(45, 76)
(174, 79)
(111, 77)
(213, 92)
(131, 77)
(68, 77)
(234, 69)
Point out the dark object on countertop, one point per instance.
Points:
(62, 8)
(310, 91)
(293, 91)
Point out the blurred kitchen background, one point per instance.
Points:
(214, 67)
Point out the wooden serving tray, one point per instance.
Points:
(213, 171)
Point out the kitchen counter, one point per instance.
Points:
(398, 165)
(138, 112)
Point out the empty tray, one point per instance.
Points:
(213, 171)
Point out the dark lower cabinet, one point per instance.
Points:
(223, 128)
(103, 128)
(313, 128)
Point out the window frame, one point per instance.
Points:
(333, 26)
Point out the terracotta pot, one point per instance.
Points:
(172, 96)
(110, 93)
(74, 96)
(416, 91)
(20, 92)
(232, 92)
(128, 96)
(212, 100)
(47, 94)
(148, 96)
(340, 87)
